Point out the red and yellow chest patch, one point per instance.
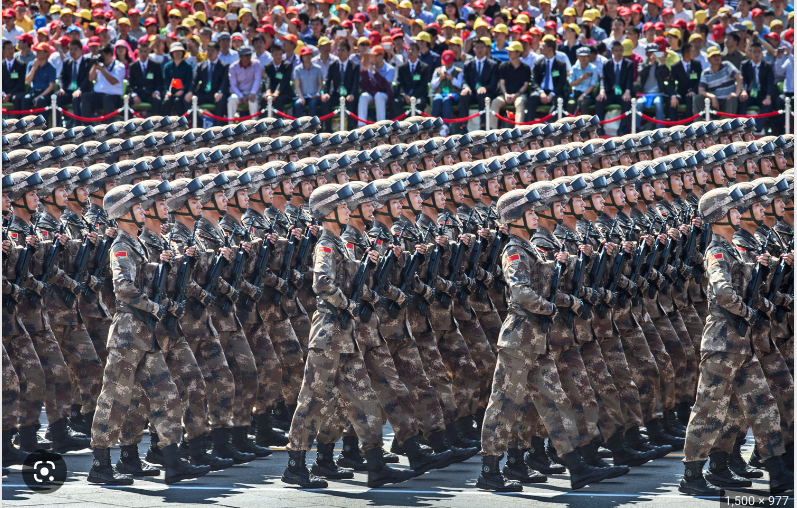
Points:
(514, 258)
(324, 251)
(742, 250)
(120, 254)
(13, 235)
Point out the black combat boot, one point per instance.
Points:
(581, 474)
(622, 455)
(379, 473)
(659, 437)
(491, 478)
(590, 455)
(12, 455)
(281, 416)
(64, 440)
(199, 456)
(351, 457)
(421, 461)
(466, 427)
(537, 459)
(226, 450)
(130, 463)
(440, 444)
(738, 465)
(453, 437)
(297, 474)
(670, 425)
(636, 441)
(553, 454)
(265, 433)
(684, 411)
(103, 472)
(154, 454)
(479, 419)
(719, 475)
(241, 440)
(694, 484)
(390, 457)
(780, 478)
(76, 420)
(178, 469)
(324, 465)
(788, 457)
(28, 440)
(517, 469)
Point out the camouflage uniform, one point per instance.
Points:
(783, 331)
(334, 362)
(133, 355)
(485, 309)
(10, 393)
(728, 365)
(524, 366)
(304, 294)
(97, 310)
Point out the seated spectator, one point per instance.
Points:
(616, 86)
(123, 25)
(343, 80)
(123, 54)
(571, 45)
(308, 80)
(583, 81)
(376, 78)
(74, 80)
(684, 83)
(212, 80)
(721, 82)
(413, 79)
(652, 75)
(514, 77)
(480, 80)
(758, 84)
(499, 50)
(145, 83)
(10, 29)
(278, 74)
(731, 52)
(177, 78)
(14, 73)
(24, 44)
(446, 85)
(245, 78)
(548, 79)
(108, 76)
(425, 53)
(325, 58)
(226, 54)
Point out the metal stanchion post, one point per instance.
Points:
(559, 108)
(633, 115)
(54, 109)
(126, 106)
(270, 107)
(412, 106)
(342, 114)
(194, 110)
(788, 115)
(707, 104)
(487, 111)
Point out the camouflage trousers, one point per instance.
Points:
(84, 365)
(702, 311)
(660, 356)
(643, 369)
(10, 393)
(244, 372)
(462, 370)
(332, 379)
(289, 350)
(692, 361)
(694, 325)
(30, 376)
(722, 375)
(56, 375)
(187, 377)
(98, 331)
(269, 370)
(613, 354)
(677, 354)
(219, 382)
(610, 414)
(575, 383)
(433, 364)
(482, 354)
(491, 324)
(301, 327)
(125, 368)
(520, 376)
(786, 348)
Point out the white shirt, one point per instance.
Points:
(11, 35)
(57, 62)
(324, 65)
(264, 59)
(117, 70)
(684, 15)
(230, 58)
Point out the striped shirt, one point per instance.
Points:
(721, 83)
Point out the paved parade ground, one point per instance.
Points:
(257, 485)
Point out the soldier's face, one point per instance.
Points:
(689, 181)
(60, 196)
(750, 167)
(547, 143)
(780, 160)
(734, 216)
(730, 170)
(487, 153)
(534, 145)
(448, 159)
(465, 155)
(30, 200)
(307, 189)
(377, 172)
(749, 136)
(572, 170)
(631, 194)
(525, 177)
(687, 146)
(194, 206)
(138, 213)
(758, 210)
(647, 192)
(779, 207)
(597, 202)
(656, 153)
(578, 206)
(457, 193)
(287, 187)
(514, 147)
(625, 159)
(766, 166)
(559, 210)
(395, 207)
(342, 178)
(368, 210)
(82, 195)
(6, 203)
(267, 194)
(429, 163)
(363, 175)
(605, 162)
(736, 137)
(509, 182)
(672, 149)
(243, 199)
(700, 176)
(251, 163)
(503, 149)
(719, 175)
(618, 197)
(319, 181)
(493, 187)
(542, 174)
(161, 210)
(394, 168)
(586, 167)
(558, 172)
(676, 184)
(221, 200)
(476, 190)
(658, 188)
(415, 200)
(412, 167)
(532, 221)
(725, 140)
(577, 137)
(294, 157)
(343, 214)
(699, 144)
(439, 199)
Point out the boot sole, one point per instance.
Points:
(309, 485)
(65, 449)
(781, 489)
(596, 477)
(386, 481)
(689, 491)
(719, 482)
(332, 476)
(212, 467)
(749, 476)
(273, 442)
(464, 457)
(100, 481)
(548, 470)
(174, 479)
(486, 486)
(137, 474)
(523, 479)
(633, 463)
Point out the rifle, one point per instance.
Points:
(159, 284)
(455, 263)
(408, 274)
(23, 263)
(261, 264)
(100, 261)
(759, 274)
(782, 310)
(489, 266)
(302, 253)
(49, 260)
(237, 267)
(557, 274)
(434, 265)
(81, 261)
(654, 258)
(705, 237)
(578, 276)
(777, 279)
(285, 269)
(636, 265)
(473, 261)
(600, 266)
(691, 245)
(617, 270)
(181, 280)
(366, 265)
(382, 273)
(676, 254)
(212, 277)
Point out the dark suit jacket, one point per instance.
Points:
(408, 84)
(766, 78)
(538, 76)
(283, 84)
(139, 83)
(488, 78)
(350, 80)
(662, 75)
(626, 76)
(13, 86)
(219, 82)
(685, 83)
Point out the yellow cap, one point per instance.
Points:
(364, 40)
(196, 39)
(68, 12)
(748, 24)
(348, 9)
(700, 17)
(187, 22)
(501, 28)
(176, 12)
(394, 2)
(523, 18)
(725, 10)
(545, 2)
(220, 5)
(480, 23)
(242, 12)
(299, 46)
(549, 37)
(120, 6)
(201, 16)
(323, 41)
(440, 18)
(83, 13)
(455, 40)
(696, 36)
(573, 27)
(487, 41)
(515, 46)
(588, 15)
(419, 21)
(713, 50)
(628, 47)
(123, 21)
(776, 23)
(424, 36)
(72, 4)
(448, 24)
(405, 4)
(569, 12)
(791, 15)
(460, 26)
(674, 32)
(335, 19)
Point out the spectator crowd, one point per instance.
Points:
(596, 55)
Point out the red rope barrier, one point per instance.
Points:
(400, 117)
(97, 119)
(26, 111)
(615, 119)
(676, 122)
(454, 120)
(763, 115)
(283, 115)
(135, 113)
(225, 119)
(539, 120)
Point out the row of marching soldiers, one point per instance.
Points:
(513, 294)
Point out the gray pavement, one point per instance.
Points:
(257, 484)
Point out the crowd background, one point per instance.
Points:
(523, 55)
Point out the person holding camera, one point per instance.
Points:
(108, 75)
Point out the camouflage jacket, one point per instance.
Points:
(12, 325)
(442, 318)
(572, 240)
(548, 246)
(57, 312)
(528, 278)
(214, 239)
(305, 291)
(621, 314)
(129, 329)
(356, 244)
(155, 245)
(290, 306)
(96, 215)
(601, 327)
(664, 295)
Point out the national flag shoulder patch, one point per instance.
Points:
(120, 254)
(324, 250)
(718, 257)
(14, 235)
(541, 250)
(350, 246)
(379, 242)
(45, 233)
(514, 258)
(741, 249)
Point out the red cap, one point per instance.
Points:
(691, 26)
(648, 26)
(667, 10)
(215, 20)
(54, 25)
(296, 22)
(680, 23)
(144, 39)
(717, 31)
(774, 36)
(290, 37)
(527, 38)
(267, 29)
(305, 51)
(346, 23)
(516, 29)
(360, 18)
(535, 30)
(237, 36)
(550, 25)
(658, 25)
(756, 12)
(42, 46)
(435, 25)
(387, 39)
(133, 11)
(18, 4)
(372, 7)
(171, 35)
(788, 35)
(150, 21)
(100, 29)
(637, 8)
(94, 41)
(448, 57)
(661, 42)
(9, 13)
(98, 13)
(396, 32)
(478, 4)
(624, 11)
(64, 41)
(25, 38)
(377, 50)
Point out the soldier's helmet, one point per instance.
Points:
(260, 176)
(101, 173)
(412, 181)
(182, 190)
(577, 185)
(120, 200)
(214, 183)
(783, 187)
(16, 185)
(753, 192)
(132, 169)
(715, 204)
(53, 178)
(439, 179)
(241, 179)
(604, 180)
(156, 190)
(20, 159)
(550, 192)
(514, 204)
(325, 199)
(387, 190)
(363, 193)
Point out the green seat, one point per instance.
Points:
(208, 107)
(143, 106)
(753, 109)
(7, 105)
(614, 107)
